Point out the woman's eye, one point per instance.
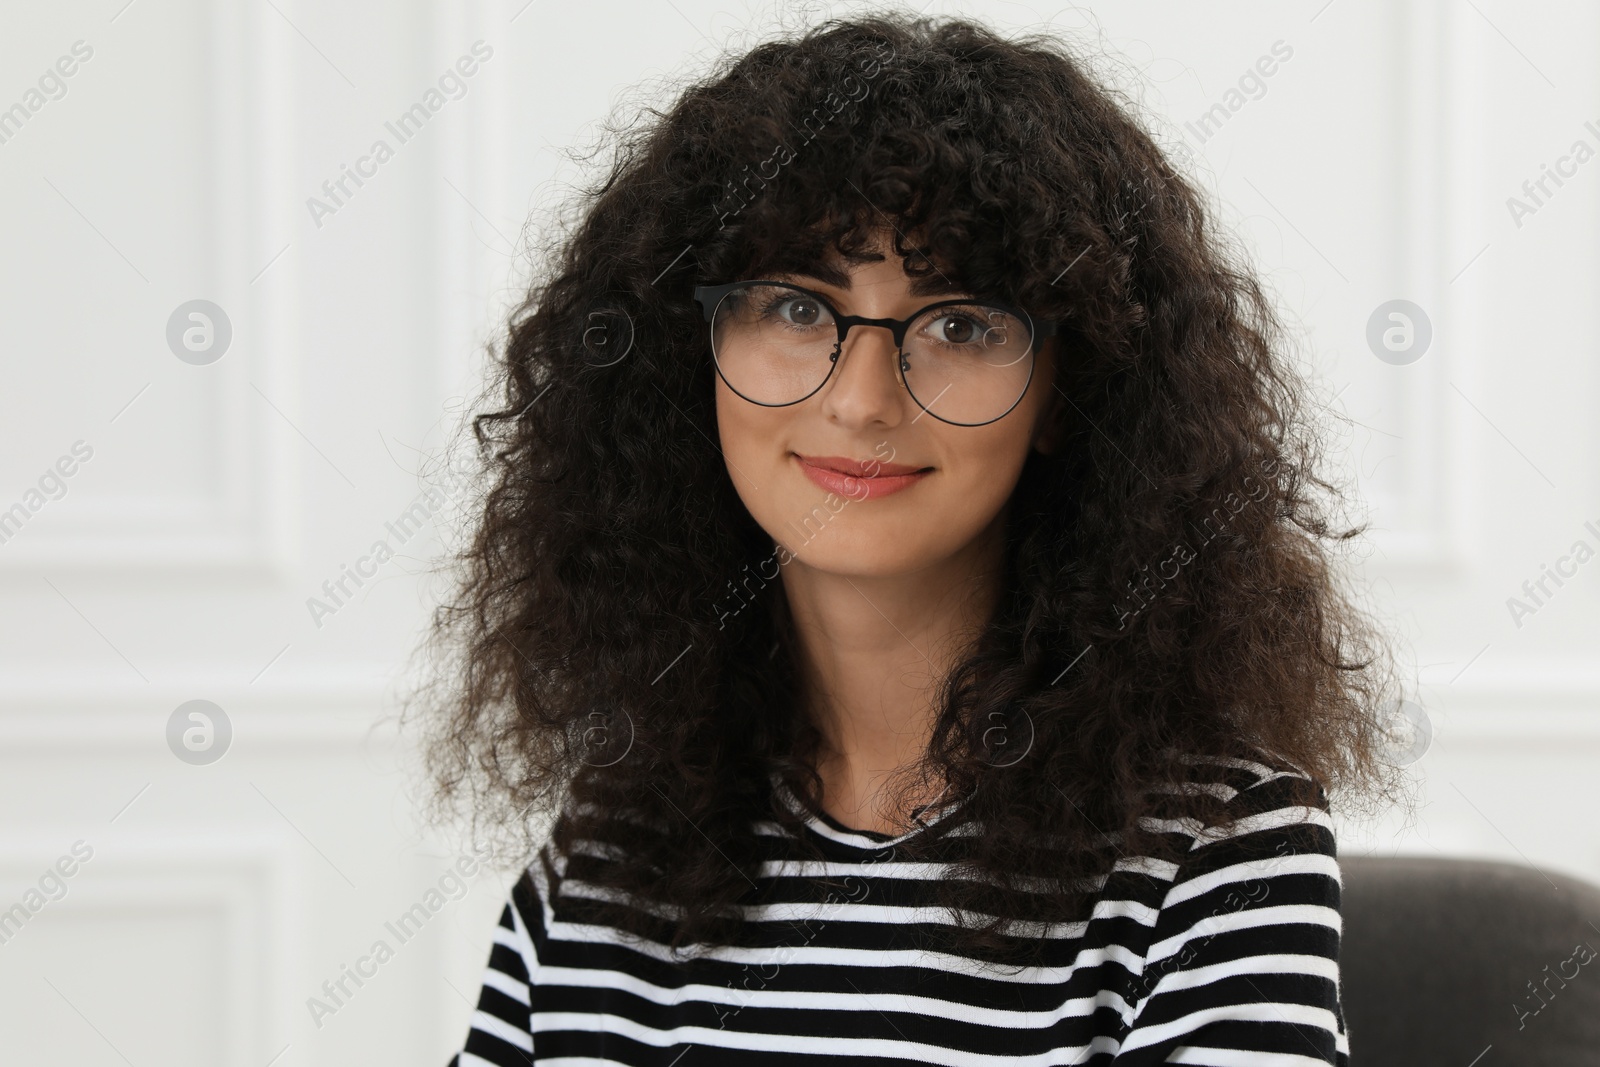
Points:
(956, 329)
(802, 312)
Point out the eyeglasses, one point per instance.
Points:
(964, 362)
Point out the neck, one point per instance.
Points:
(873, 653)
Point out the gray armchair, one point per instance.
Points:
(1469, 963)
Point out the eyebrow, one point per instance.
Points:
(934, 284)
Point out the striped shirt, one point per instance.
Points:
(1229, 957)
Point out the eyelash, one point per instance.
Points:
(953, 311)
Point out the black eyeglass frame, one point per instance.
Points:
(710, 297)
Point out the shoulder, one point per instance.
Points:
(1244, 949)
(1272, 851)
(1275, 834)
(1266, 791)
(526, 915)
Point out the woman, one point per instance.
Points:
(902, 578)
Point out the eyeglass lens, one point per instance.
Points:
(964, 363)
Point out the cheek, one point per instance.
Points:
(749, 437)
(981, 476)
(982, 466)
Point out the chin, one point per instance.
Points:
(867, 551)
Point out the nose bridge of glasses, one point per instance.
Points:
(896, 327)
(873, 376)
(840, 370)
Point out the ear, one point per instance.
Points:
(1053, 423)
(1048, 437)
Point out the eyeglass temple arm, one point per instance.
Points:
(709, 296)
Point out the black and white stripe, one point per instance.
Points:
(1229, 958)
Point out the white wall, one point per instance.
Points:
(1376, 165)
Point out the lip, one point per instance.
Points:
(860, 479)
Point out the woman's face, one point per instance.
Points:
(885, 525)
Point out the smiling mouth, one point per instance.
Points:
(860, 468)
(860, 479)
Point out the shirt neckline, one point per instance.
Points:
(826, 826)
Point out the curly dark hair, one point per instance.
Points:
(1171, 592)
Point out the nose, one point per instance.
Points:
(865, 387)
